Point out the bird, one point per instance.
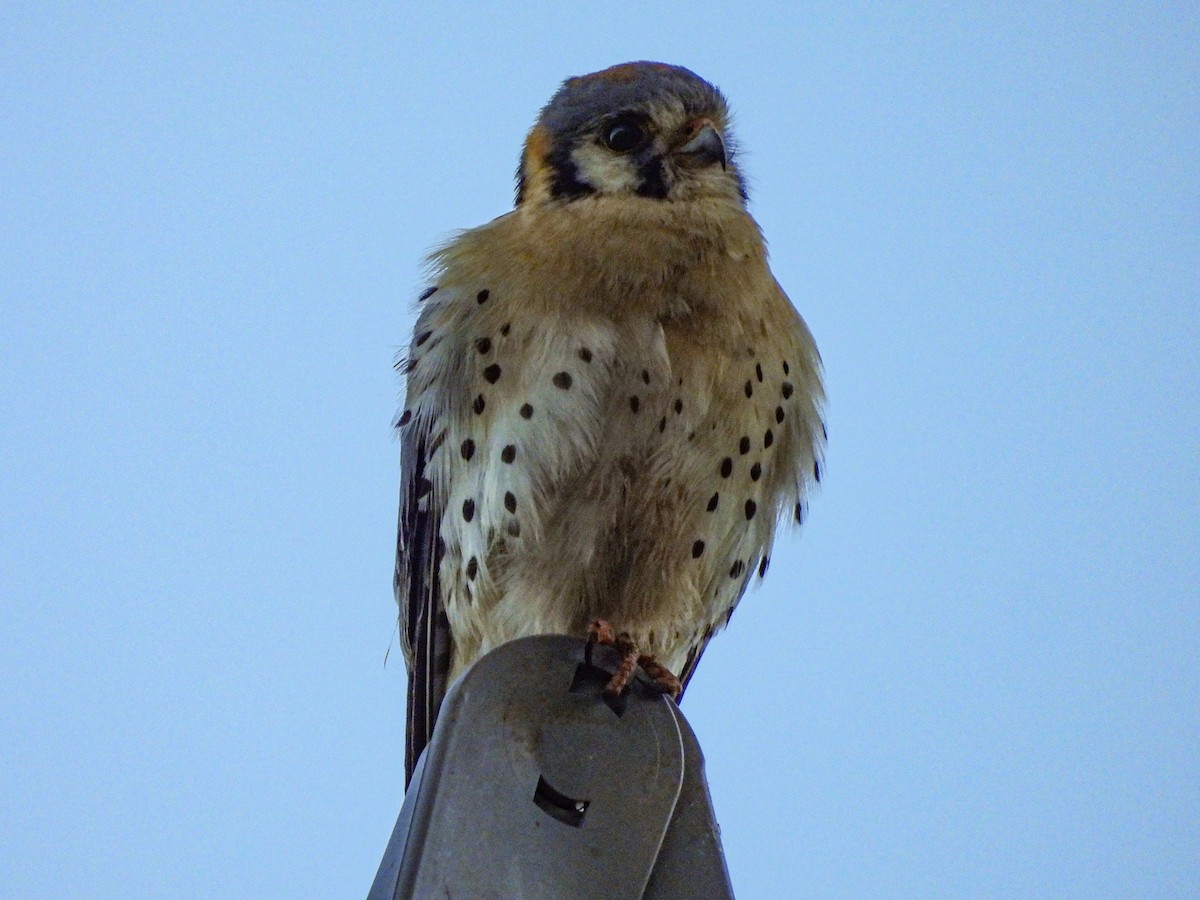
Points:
(610, 403)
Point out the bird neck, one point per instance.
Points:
(616, 254)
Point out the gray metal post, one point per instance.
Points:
(535, 786)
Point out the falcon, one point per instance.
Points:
(610, 402)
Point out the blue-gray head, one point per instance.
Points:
(639, 129)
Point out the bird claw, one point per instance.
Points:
(660, 676)
(601, 631)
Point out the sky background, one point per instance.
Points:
(975, 672)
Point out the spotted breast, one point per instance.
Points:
(610, 402)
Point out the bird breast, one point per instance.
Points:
(615, 447)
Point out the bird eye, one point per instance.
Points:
(625, 136)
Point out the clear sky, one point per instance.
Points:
(975, 672)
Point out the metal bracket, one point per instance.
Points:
(535, 786)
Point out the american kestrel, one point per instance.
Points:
(610, 400)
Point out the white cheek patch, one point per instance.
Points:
(603, 170)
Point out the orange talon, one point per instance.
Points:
(629, 660)
(662, 677)
(600, 631)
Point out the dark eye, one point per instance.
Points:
(625, 136)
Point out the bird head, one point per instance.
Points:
(641, 129)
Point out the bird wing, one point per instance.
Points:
(782, 394)
(499, 407)
(424, 630)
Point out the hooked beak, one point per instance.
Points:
(702, 146)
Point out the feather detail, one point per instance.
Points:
(610, 406)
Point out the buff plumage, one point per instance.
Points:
(610, 401)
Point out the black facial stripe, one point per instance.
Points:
(564, 177)
(582, 104)
(652, 179)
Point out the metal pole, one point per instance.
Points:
(535, 786)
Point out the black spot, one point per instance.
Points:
(763, 565)
(585, 354)
(744, 445)
(734, 571)
(491, 374)
(756, 472)
(678, 407)
(426, 294)
(422, 338)
(479, 404)
(749, 389)
(713, 501)
(526, 411)
(634, 403)
(564, 181)
(726, 467)
(508, 454)
(697, 549)
(514, 528)
(778, 414)
(653, 181)
(409, 366)
(787, 389)
(758, 372)
(510, 501)
(645, 376)
(467, 449)
(799, 513)
(468, 509)
(816, 470)
(472, 568)
(786, 369)
(424, 486)
(405, 418)
(662, 424)
(505, 329)
(563, 381)
(768, 438)
(482, 296)
(483, 345)
(751, 509)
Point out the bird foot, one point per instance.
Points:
(600, 631)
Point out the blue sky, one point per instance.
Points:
(976, 672)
